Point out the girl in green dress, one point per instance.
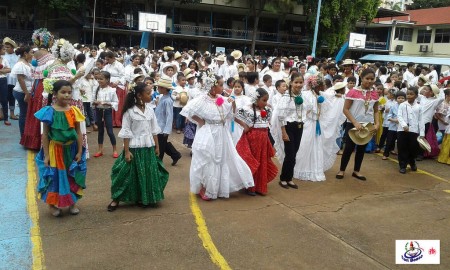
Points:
(138, 175)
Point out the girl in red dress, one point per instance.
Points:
(254, 146)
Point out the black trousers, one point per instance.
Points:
(383, 137)
(89, 113)
(290, 149)
(104, 118)
(166, 147)
(390, 142)
(348, 150)
(408, 148)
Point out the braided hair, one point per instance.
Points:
(131, 98)
(260, 93)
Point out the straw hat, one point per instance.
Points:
(363, 136)
(191, 52)
(7, 40)
(423, 143)
(168, 48)
(220, 58)
(236, 54)
(296, 58)
(168, 65)
(165, 81)
(348, 62)
(423, 78)
(435, 90)
(183, 98)
(135, 76)
(241, 66)
(177, 55)
(102, 45)
(339, 85)
(187, 71)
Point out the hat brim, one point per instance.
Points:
(190, 76)
(354, 134)
(9, 41)
(423, 143)
(164, 85)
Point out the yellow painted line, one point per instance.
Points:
(421, 171)
(447, 190)
(204, 235)
(35, 234)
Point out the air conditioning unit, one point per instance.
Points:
(399, 48)
(423, 48)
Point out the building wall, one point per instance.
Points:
(412, 48)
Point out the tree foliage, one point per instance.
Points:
(421, 4)
(62, 5)
(338, 18)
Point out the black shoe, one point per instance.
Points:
(359, 177)
(419, 158)
(413, 167)
(286, 186)
(175, 160)
(292, 185)
(112, 208)
(338, 176)
(402, 171)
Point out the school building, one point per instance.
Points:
(420, 33)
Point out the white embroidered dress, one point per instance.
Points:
(215, 164)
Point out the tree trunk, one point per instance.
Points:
(255, 32)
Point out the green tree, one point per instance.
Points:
(421, 4)
(338, 18)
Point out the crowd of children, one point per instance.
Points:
(235, 117)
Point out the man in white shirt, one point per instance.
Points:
(408, 76)
(12, 59)
(433, 76)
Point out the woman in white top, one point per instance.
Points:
(4, 70)
(22, 70)
(138, 175)
(117, 71)
(276, 72)
(361, 106)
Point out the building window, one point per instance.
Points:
(442, 36)
(424, 36)
(404, 34)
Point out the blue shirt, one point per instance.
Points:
(164, 114)
(393, 114)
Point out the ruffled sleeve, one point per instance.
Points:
(193, 108)
(45, 115)
(21, 69)
(283, 108)
(79, 117)
(126, 132)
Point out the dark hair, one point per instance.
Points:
(56, 87)
(275, 59)
(230, 58)
(252, 77)
(293, 77)
(22, 50)
(208, 60)
(193, 62)
(417, 71)
(400, 94)
(180, 76)
(278, 83)
(230, 81)
(80, 59)
(242, 74)
(241, 83)
(366, 72)
(415, 90)
(351, 79)
(339, 77)
(447, 92)
(267, 77)
(109, 54)
(131, 98)
(134, 57)
(383, 70)
(261, 92)
(410, 64)
(107, 76)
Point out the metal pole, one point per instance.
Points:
(93, 23)
(316, 29)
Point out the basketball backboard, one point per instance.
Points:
(150, 22)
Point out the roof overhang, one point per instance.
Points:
(406, 59)
(386, 13)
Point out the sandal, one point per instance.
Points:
(7, 123)
(74, 210)
(384, 158)
(14, 117)
(56, 212)
(112, 207)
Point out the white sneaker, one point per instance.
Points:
(56, 212)
(74, 210)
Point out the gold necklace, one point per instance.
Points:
(366, 98)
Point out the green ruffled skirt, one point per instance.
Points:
(140, 181)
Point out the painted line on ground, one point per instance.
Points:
(35, 233)
(204, 235)
(420, 171)
(447, 190)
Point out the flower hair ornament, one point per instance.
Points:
(48, 85)
(314, 81)
(63, 50)
(209, 80)
(42, 38)
(166, 57)
(255, 96)
(131, 87)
